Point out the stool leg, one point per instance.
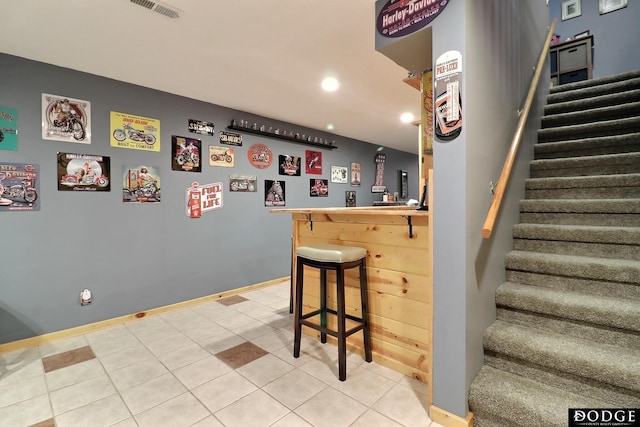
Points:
(291, 280)
(364, 296)
(323, 303)
(342, 339)
(298, 308)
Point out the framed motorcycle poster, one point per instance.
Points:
(186, 154)
(83, 172)
(221, 156)
(140, 184)
(19, 187)
(274, 193)
(289, 165)
(313, 162)
(66, 119)
(134, 132)
(243, 183)
(8, 128)
(339, 174)
(318, 187)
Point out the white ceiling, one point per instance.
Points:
(259, 56)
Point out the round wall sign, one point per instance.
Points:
(260, 156)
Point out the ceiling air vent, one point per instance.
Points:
(159, 7)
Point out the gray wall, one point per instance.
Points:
(138, 257)
(500, 41)
(615, 34)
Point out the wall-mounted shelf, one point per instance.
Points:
(299, 140)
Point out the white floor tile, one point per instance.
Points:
(295, 388)
(101, 413)
(291, 420)
(201, 372)
(27, 412)
(152, 393)
(74, 374)
(19, 391)
(81, 394)
(331, 409)
(139, 373)
(181, 411)
(257, 409)
(364, 385)
(372, 418)
(405, 406)
(224, 390)
(183, 356)
(19, 365)
(126, 357)
(264, 370)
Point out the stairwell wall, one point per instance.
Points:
(500, 42)
(615, 34)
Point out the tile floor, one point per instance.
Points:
(221, 363)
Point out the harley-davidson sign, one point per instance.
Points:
(399, 18)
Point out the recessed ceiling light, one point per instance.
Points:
(330, 126)
(330, 84)
(407, 118)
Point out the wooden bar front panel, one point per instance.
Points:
(400, 282)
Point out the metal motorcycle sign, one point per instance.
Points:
(203, 128)
(83, 172)
(19, 187)
(134, 132)
(66, 119)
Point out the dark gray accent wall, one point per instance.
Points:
(142, 256)
(615, 34)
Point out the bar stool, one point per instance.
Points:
(337, 258)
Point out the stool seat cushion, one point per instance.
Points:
(327, 252)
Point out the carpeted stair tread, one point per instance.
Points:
(582, 267)
(572, 182)
(605, 164)
(522, 401)
(622, 143)
(600, 128)
(609, 364)
(620, 186)
(606, 100)
(609, 206)
(608, 84)
(593, 309)
(578, 233)
(591, 115)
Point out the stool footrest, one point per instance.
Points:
(330, 311)
(331, 332)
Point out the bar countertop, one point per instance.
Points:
(369, 210)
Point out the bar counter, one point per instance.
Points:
(399, 266)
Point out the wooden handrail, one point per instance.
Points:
(489, 222)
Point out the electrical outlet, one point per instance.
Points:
(85, 297)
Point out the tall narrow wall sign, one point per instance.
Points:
(448, 102)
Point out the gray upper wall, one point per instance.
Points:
(141, 256)
(615, 34)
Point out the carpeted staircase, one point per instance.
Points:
(567, 333)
